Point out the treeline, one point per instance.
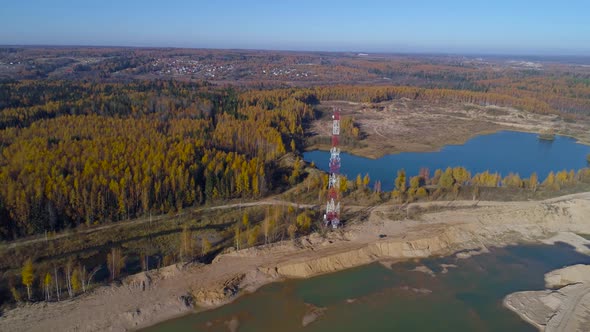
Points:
(160, 147)
(58, 282)
(453, 179)
(24, 102)
(558, 86)
(375, 94)
(564, 93)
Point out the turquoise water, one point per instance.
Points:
(503, 152)
(375, 298)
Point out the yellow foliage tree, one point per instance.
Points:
(415, 182)
(359, 181)
(366, 180)
(303, 221)
(400, 181)
(551, 182)
(512, 181)
(76, 283)
(246, 220)
(461, 175)
(533, 182)
(562, 177)
(486, 179)
(436, 178)
(253, 235)
(47, 286)
(421, 192)
(343, 186)
(28, 276)
(15, 294)
(571, 177)
(446, 179)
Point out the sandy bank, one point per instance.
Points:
(399, 125)
(146, 299)
(566, 307)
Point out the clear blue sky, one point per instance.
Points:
(491, 26)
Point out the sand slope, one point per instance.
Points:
(146, 299)
(564, 309)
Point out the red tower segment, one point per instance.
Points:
(332, 216)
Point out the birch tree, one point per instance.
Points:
(69, 268)
(57, 288)
(27, 276)
(115, 262)
(47, 286)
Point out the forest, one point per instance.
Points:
(96, 152)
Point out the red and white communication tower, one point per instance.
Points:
(332, 216)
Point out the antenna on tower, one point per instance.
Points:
(332, 216)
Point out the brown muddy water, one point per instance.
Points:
(466, 296)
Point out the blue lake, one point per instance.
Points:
(503, 152)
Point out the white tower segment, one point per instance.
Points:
(332, 216)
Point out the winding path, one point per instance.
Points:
(143, 220)
(270, 201)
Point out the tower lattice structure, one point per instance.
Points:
(332, 216)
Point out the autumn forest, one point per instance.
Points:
(115, 161)
(89, 152)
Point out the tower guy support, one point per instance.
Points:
(332, 216)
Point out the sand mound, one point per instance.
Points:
(579, 273)
(564, 309)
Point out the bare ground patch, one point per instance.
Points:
(407, 125)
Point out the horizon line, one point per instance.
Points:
(400, 52)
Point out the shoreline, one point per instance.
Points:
(385, 152)
(522, 315)
(396, 126)
(563, 305)
(146, 299)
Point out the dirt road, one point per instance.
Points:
(139, 221)
(268, 201)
